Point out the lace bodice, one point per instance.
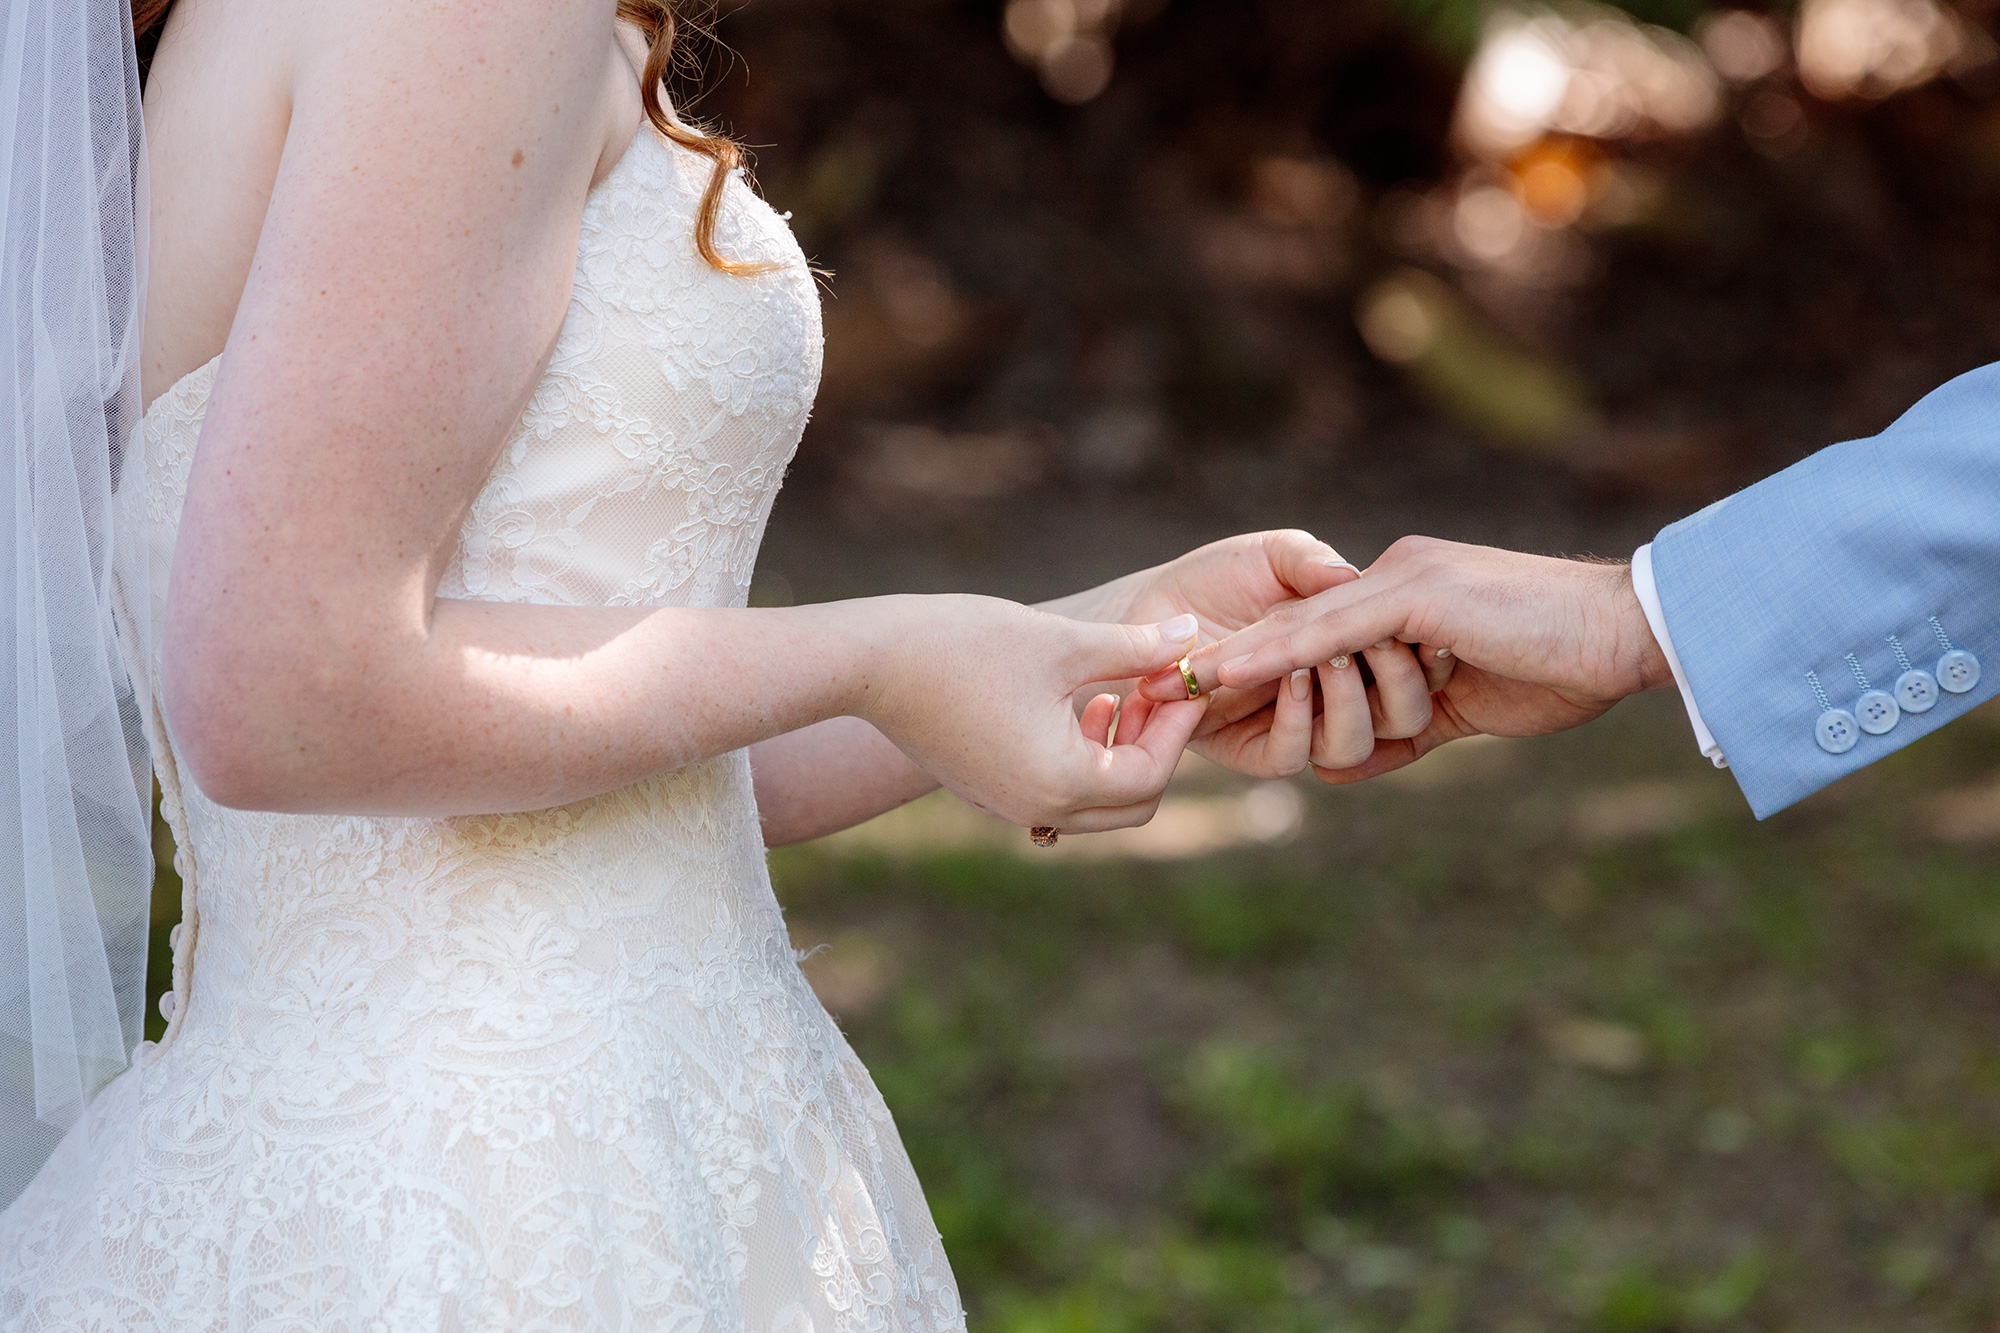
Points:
(552, 1070)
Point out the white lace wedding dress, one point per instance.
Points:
(554, 1070)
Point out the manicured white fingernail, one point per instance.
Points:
(1341, 663)
(1444, 652)
(1180, 629)
(1337, 563)
(1302, 684)
(1233, 663)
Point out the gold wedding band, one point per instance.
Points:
(1187, 678)
(1340, 663)
(1043, 835)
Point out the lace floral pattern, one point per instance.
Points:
(669, 390)
(555, 1070)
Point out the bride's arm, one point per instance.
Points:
(412, 272)
(830, 776)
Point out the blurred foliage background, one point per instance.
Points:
(1288, 248)
(1540, 1035)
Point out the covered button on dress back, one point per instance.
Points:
(1836, 731)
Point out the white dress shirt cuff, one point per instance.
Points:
(1649, 600)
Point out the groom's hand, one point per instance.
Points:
(1273, 729)
(1513, 645)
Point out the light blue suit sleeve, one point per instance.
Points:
(1831, 557)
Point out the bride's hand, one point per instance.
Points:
(1275, 729)
(978, 693)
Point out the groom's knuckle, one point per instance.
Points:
(1416, 551)
(1288, 619)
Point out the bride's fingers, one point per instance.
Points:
(1288, 744)
(1305, 564)
(1237, 745)
(1227, 707)
(1104, 818)
(1096, 718)
(1132, 718)
(1438, 664)
(1446, 726)
(1401, 699)
(1346, 732)
(1387, 758)
(1137, 771)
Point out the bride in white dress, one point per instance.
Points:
(494, 372)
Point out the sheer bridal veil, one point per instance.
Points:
(75, 779)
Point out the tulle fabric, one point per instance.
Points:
(75, 788)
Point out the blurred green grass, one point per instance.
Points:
(1553, 1038)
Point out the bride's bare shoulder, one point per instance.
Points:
(497, 54)
(243, 91)
(419, 71)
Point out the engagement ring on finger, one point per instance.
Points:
(1043, 835)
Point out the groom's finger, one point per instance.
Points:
(1342, 621)
(1315, 629)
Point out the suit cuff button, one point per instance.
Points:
(1957, 671)
(1877, 712)
(1917, 690)
(1836, 731)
